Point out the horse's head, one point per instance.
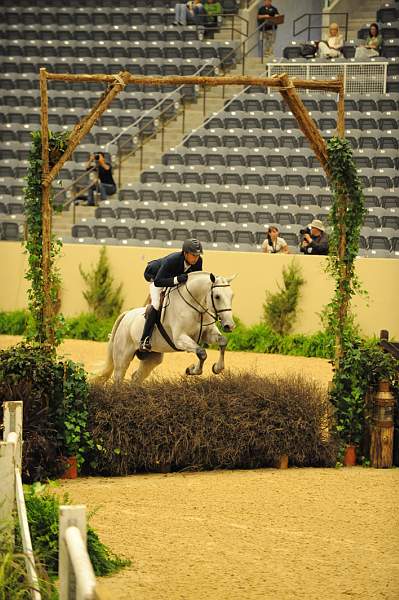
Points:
(221, 297)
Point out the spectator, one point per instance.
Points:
(274, 244)
(104, 183)
(213, 11)
(332, 47)
(189, 12)
(268, 30)
(373, 44)
(315, 239)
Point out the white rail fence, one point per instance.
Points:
(12, 491)
(359, 77)
(77, 579)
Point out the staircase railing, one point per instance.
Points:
(304, 24)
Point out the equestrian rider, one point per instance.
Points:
(168, 272)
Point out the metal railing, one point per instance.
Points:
(13, 494)
(308, 27)
(124, 150)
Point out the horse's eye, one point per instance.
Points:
(217, 297)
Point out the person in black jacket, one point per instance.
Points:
(167, 272)
(315, 239)
(267, 29)
(105, 183)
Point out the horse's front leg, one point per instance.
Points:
(213, 336)
(184, 342)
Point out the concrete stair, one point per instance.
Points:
(195, 115)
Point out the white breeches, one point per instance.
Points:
(326, 51)
(155, 293)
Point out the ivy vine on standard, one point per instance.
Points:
(33, 211)
(346, 217)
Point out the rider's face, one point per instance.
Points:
(191, 259)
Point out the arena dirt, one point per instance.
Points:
(299, 534)
(92, 355)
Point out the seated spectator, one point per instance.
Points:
(104, 183)
(331, 48)
(315, 239)
(268, 30)
(373, 44)
(274, 244)
(191, 13)
(213, 11)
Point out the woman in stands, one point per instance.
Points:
(191, 13)
(331, 48)
(373, 44)
(274, 244)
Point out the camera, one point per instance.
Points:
(96, 157)
(304, 231)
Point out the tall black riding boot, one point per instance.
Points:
(145, 343)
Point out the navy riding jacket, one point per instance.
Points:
(162, 271)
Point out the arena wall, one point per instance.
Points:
(257, 273)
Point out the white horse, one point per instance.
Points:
(189, 315)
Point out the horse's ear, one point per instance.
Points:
(212, 277)
(230, 278)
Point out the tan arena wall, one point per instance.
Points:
(257, 273)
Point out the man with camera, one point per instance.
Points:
(314, 239)
(104, 183)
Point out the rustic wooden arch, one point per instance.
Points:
(116, 83)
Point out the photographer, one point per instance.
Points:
(315, 239)
(274, 244)
(104, 183)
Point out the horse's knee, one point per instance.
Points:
(201, 353)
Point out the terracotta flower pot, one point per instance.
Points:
(71, 471)
(282, 462)
(350, 456)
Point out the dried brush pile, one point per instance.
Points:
(234, 421)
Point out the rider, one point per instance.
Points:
(168, 272)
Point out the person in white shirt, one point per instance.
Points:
(274, 244)
(332, 47)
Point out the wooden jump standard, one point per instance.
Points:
(116, 83)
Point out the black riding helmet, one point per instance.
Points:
(192, 246)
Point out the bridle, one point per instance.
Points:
(202, 310)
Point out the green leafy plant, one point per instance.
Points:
(346, 219)
(102, 299)
(14, 583)
(280, 308)
(362, 366)
(42, 329)
(15, 322)
(42, 507)
(54, 393)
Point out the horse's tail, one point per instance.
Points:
(106, 372)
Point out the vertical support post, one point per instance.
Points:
(69, 516)
(48, 330)
(12, 419)
(343, 204)
(204, 100)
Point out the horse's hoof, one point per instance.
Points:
(191, 371)
(215, 369)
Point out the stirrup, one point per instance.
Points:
(145, 345)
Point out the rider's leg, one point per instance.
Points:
(145, 342)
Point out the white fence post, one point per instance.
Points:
(10, 457)
(76, 575)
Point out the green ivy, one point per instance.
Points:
(34, 246)
(346, 217)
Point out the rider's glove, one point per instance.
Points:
(182, 278)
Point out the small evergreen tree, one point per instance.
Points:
(280, 308)
(102, 299)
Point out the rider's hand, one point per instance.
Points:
(182, 278)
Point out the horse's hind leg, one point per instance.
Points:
(146, 366)
(122, 362)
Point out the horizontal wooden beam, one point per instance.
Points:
(311, 84)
